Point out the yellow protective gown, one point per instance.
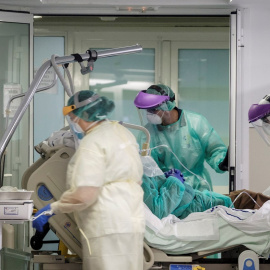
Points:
(104, 180)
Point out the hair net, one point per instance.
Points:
(94, 111)
(165, 91)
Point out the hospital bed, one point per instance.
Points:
(46, 177)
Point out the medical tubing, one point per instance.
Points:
(82, 232)
(246, 194)
(39, 76)
(61, 77)
(166, 146)
(145, 146)
(44, 213)
(70, 80)
(199, 177)
(137, 127)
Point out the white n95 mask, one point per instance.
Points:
(154, 118)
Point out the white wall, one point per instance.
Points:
(255, 75)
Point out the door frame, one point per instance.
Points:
(17, 17)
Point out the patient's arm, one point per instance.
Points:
(75, 199)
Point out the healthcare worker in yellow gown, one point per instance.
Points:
(104, 180)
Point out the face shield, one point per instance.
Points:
(79, 104)
(152, 108)
(73, 120)
(262, 126)
(154, 116)
(75, 128)
(259, 117)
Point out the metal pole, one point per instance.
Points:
(37, 79)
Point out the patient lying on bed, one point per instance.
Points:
(181, 220)
(216, 228)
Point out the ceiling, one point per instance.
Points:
(116, 7)
(128, 7)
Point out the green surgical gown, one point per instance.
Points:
(193, 140)
(171, 196)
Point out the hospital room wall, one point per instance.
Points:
(255, 84)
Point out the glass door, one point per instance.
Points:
(16, 50)
(15, 74)
(201, 78)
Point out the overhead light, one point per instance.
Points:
(108, 19)
(137, 9)
(37, 17)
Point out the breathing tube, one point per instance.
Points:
(243, 192)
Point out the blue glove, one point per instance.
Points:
(175, 173)
(42, 220)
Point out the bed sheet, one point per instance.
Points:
(215, 228)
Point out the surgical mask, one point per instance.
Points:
(78, 131)
(154, 118)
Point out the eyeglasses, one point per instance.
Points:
(152, 110)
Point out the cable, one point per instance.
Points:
(246, 194)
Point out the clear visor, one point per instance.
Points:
(75, 129)
(263, 128)
(155, 116)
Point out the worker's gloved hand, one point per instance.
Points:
(175, 173)
(223, 165)
(43, 219)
